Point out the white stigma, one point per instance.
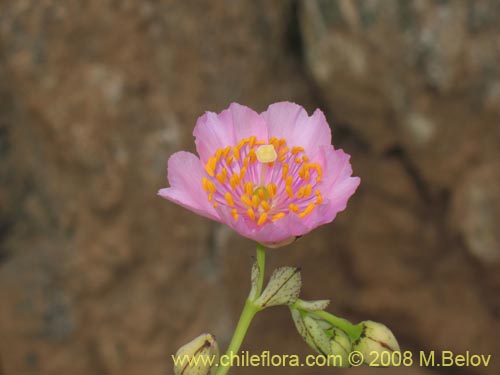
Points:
(266, 154)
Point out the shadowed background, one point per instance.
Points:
(98, 275)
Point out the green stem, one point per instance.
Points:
(246, 317)
(353, 330)
(261, 263)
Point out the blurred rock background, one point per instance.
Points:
(100, 276)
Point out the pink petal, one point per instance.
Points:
(270, 233)
(338, 184)
(291, 121)
(247, 122)
(213, 131)
(185, 172)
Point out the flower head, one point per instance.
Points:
(272, 177)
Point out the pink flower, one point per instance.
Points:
(272, 177)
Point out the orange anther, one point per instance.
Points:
(283, 151)
(300, 192)
(261, 194)
(246, 200)
(319, 197)
(249, 188)
(265, 205)
(307, 190)
(204, 181)
(211, 186)
(236, 153)
(278, 216)
(221, 177)
(262, 219)
(284, 171)
(210, 166)
(271, 189)
(243, 172)
(255, 201)
(229, 199)
(307, 211)
(251, 214)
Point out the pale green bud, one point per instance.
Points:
(283, 288)
(316, 305)
(323, 338)
(375, 337)
(340, 346)
(197, 357)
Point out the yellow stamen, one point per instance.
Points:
(307, 190)
(283, 151)
(261, 193)
(252, 156)
(226, 151)
(249, 188)
(297, 149)
(229, 159)
(221, 177)
(284, 171)
(252, 141)
(251, 214)
(278, 216)
(236, 153)
(271, 189)
(307, 211)
(243, 172)
(235, 214)
(289, 191)
(234, 181)
(262, 219)
(266, 154)
(216, 204)
(293, 207)
(289, 180)
(255, 201)
(317, 167)
(319, 197)
(265, 205)
(210, 167)
(300, 192)
(229, 199)
(246, 200)
(211, 186)
(204, 181)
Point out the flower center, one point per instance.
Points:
(263, 182)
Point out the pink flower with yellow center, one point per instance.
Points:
(272, 177)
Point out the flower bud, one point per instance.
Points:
(283, 288)
(375, 337)
(197, 357)
(323, 338)
(340, 346)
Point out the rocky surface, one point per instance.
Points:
(99, 275)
